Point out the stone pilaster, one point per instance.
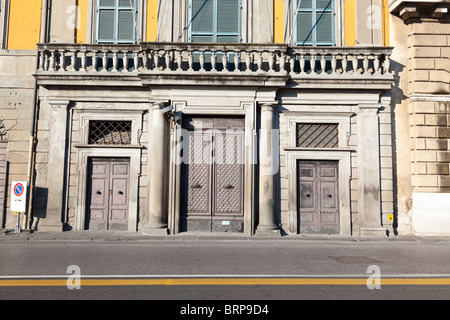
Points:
(157, 219)
(57, 160)
(369, 185)
(267, 169)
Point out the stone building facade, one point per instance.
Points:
(421, 37)
(271, 130)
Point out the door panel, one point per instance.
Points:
(97, 217)
(108, 189)
(318, 197)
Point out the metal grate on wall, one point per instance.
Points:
(317, 135)
(109, 132)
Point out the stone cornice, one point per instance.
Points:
(419, 9)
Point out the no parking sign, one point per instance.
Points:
(18, 196)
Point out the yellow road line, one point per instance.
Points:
(222, 282)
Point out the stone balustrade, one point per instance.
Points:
(215, 59)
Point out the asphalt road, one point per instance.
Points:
(230, 271)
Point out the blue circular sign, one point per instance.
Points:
(18, 189)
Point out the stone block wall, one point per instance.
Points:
(429, 85)
(430, 145)
(429, 58)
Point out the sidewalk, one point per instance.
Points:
(9, 235)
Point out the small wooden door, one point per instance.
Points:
(212, 178)
(108, 193)
(318, 197)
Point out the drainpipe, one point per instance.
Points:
(30, 177)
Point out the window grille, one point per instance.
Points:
(317, 135)
(109, 132)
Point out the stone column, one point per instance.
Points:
(267, 169)
(369, 183)
(57, 159)
(157, 219)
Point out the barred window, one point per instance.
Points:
(317, 135)
(109, 132)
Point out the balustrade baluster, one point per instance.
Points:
(271, 61)
(302, 63)
(366, 64)
(168, 60)
(259, 61)
(248, 61)
(190, 61)
(333, 63)
(387, 64)
(225, 61)
(83, 61)
(155, 60)
(282, 62)
(136, 61)
(292, 58)
(52, 61)
(202, 60)
(105, 62)
(323, 64)
(179, 60)
(376, 64)
(94, 61)
(236, 61)
(312, 63)
(73, 59)
(62, 60)
(355, 63)
(213, 61)
(125, 61)
(344, 63)
(115, 62)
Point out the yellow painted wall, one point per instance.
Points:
(81, 24)
(152, 20)
(278, 30)
(24, 24)
(350, 23)
(386, 28)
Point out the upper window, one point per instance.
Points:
(217, 21)
(116, 21)
(315, 23)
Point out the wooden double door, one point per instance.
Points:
(318, 197)
(212, 175)
(108, 194)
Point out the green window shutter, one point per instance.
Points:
(125, 28)
(202, 16)
(315, 23)
(304, 28)
(228, 16)
(116, 21)
(324, 26)
(106, 22)
(215, 21)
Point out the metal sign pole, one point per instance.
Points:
(17, 230)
